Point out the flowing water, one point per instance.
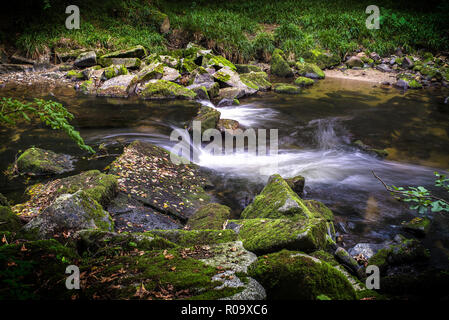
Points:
(316, 131)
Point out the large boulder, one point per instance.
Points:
(70, 213)
(152, 71)
(120, 86)
(309, 70)
(114, 71)
(163, 89)
(170, 74)
(295, 275)
(148, 175)
(256, 80)
(86, 59)
(217, 62)
(98, 186)
(354, 61)
(263, 236)
(210, 216)
(36, 161)
(278, 200)
(280, 67)
(229, 78)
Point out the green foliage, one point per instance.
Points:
(50, 113)
(423, 200)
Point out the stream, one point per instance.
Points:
(316, 131)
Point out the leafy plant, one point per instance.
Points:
(421, 199)
(50, 113)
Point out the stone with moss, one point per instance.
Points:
(278, 200)
(228, 125)
(285, 88)
(152, 71)
(210, 216)
(98, 186)
(295, 275)
(88, 87)
(8, 220)
(130, 63)
(419, 226)
(200, 90)
(36, 161)
(256, 80)
(163, 89)
(431, 72)
(218, 62)
(75, 75)
(186, 65)
(247, 68)
(309, 70)
(304, 82)
(118, 87)
(86, 59)
(134, 52)
(170, 74)
(229, 78)
(207, 117)
(69, 213)
(270, 235)
(297, 184)
(114, 71)
(191, 238)
(35, 270)
(321, 58)
(160, 180)
(279, 66)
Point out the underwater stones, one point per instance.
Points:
(208, 117)
(286, 88)
(309, 70)
(70, 213)
(278, 200)
(36, 161)
(98, 186)
(135, 52)
(8, 220)
(270, 235)
(163, 89)
(419, 226)
(209, 216)
(120, 86)
(279, 66)
(295, 275)
(256, 80)
(304, 82)
(147, 174)
(354, 61)
(86, 59)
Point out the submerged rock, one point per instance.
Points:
(36, 161)
(148, 175)
(69, 213)
(210, 216)
(294, 275)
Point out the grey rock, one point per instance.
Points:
(86, 59)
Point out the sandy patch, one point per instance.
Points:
(367, 75)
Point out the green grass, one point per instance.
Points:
(241, 30)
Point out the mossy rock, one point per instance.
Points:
(322, 59)
(210, 216)
(163, 89)
(75, 75)
(419, 226)
(131, 63)
(247, 68)
(118, 87)
(304, 82)
(219, 62)
(8, 220)
(190, 238)
(228, 125)
(263, 236)
(114, 71)
(98, 186)
(309, 70)
(294, 275)
(135, 52)
(69, 213)
(278, 200)
(286, 88)
(149, 175)
(152, 71)
(256, 80)
(279, 66)
(297, 184)
(208, 117)
(35, 270)
(36, 161)
(200, 91)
